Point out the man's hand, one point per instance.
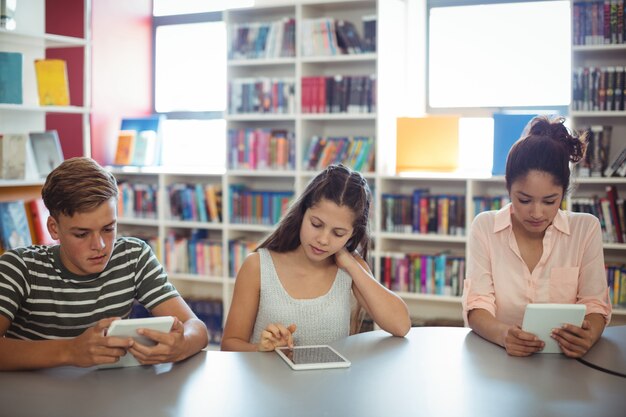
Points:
(92, 347)
(170, 347)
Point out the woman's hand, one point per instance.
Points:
(343, 258)
(276, 335)
(520, 343)
(574, 341)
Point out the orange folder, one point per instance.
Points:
(428, 143)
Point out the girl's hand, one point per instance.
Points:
(574, 341)
(343, 258)
(276, 335)
(520, 343)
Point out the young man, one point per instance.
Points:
(56, 302)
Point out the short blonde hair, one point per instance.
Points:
(77, 185)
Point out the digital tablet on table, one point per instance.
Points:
(540, 319)
(312, 357)
(128, 328)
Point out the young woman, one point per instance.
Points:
(297, 287)
(532, 252)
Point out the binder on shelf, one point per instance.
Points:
(11, 77)
(428, 143)
(507, 129)
(52, 84)
(17, 161)
(14, 230)
(47, 151)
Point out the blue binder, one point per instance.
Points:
(507, 129)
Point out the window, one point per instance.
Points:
(190, 88)
(496, 56)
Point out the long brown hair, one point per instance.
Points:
(338, 184)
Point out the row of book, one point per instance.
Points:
(23, 223)
(423, 212)
(598, 22)
(261, 95)
(29, 156)
(610, 209)
(440, 274)
(208, 310)
(50, 75)
(328, 36)
(595, 162)
(195, 202)
(485, 203)
(339, 94)
(257, 207)
(261, 149)
(356, 152)
(137, 200)
(198, 254)
(616, 280)
(194, 254)
(598, 88)
(257, 40)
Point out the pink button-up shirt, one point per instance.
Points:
(571, 268)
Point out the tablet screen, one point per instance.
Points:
(308, 355)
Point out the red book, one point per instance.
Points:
(39, 215)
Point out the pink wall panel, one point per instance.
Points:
(121, 69)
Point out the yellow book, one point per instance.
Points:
(52, 82)
(427, 143)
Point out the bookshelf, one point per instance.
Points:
(387, 64)
(600, 53)
(37, 36)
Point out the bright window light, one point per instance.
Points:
(206, 139)
(476, 145)
(500, 55)
(190, 67)
(174, 7)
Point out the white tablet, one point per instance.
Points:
(540, 319)
(312, 357)
(129, 327)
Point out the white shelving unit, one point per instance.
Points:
(598, 56)
(32, 41)
(388, 64)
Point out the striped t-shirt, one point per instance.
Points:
(44, 300)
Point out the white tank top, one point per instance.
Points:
(319, 320)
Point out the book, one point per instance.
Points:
(348, 39)
(612, 168)
(38, 214)
(14, 230)
(47, 151)
(611, 193)
(11, 77)
(17, 161)
(52, 84)
(146, 150)
(125, 147)
(428, 143)
(144, 153)
(507, 129)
